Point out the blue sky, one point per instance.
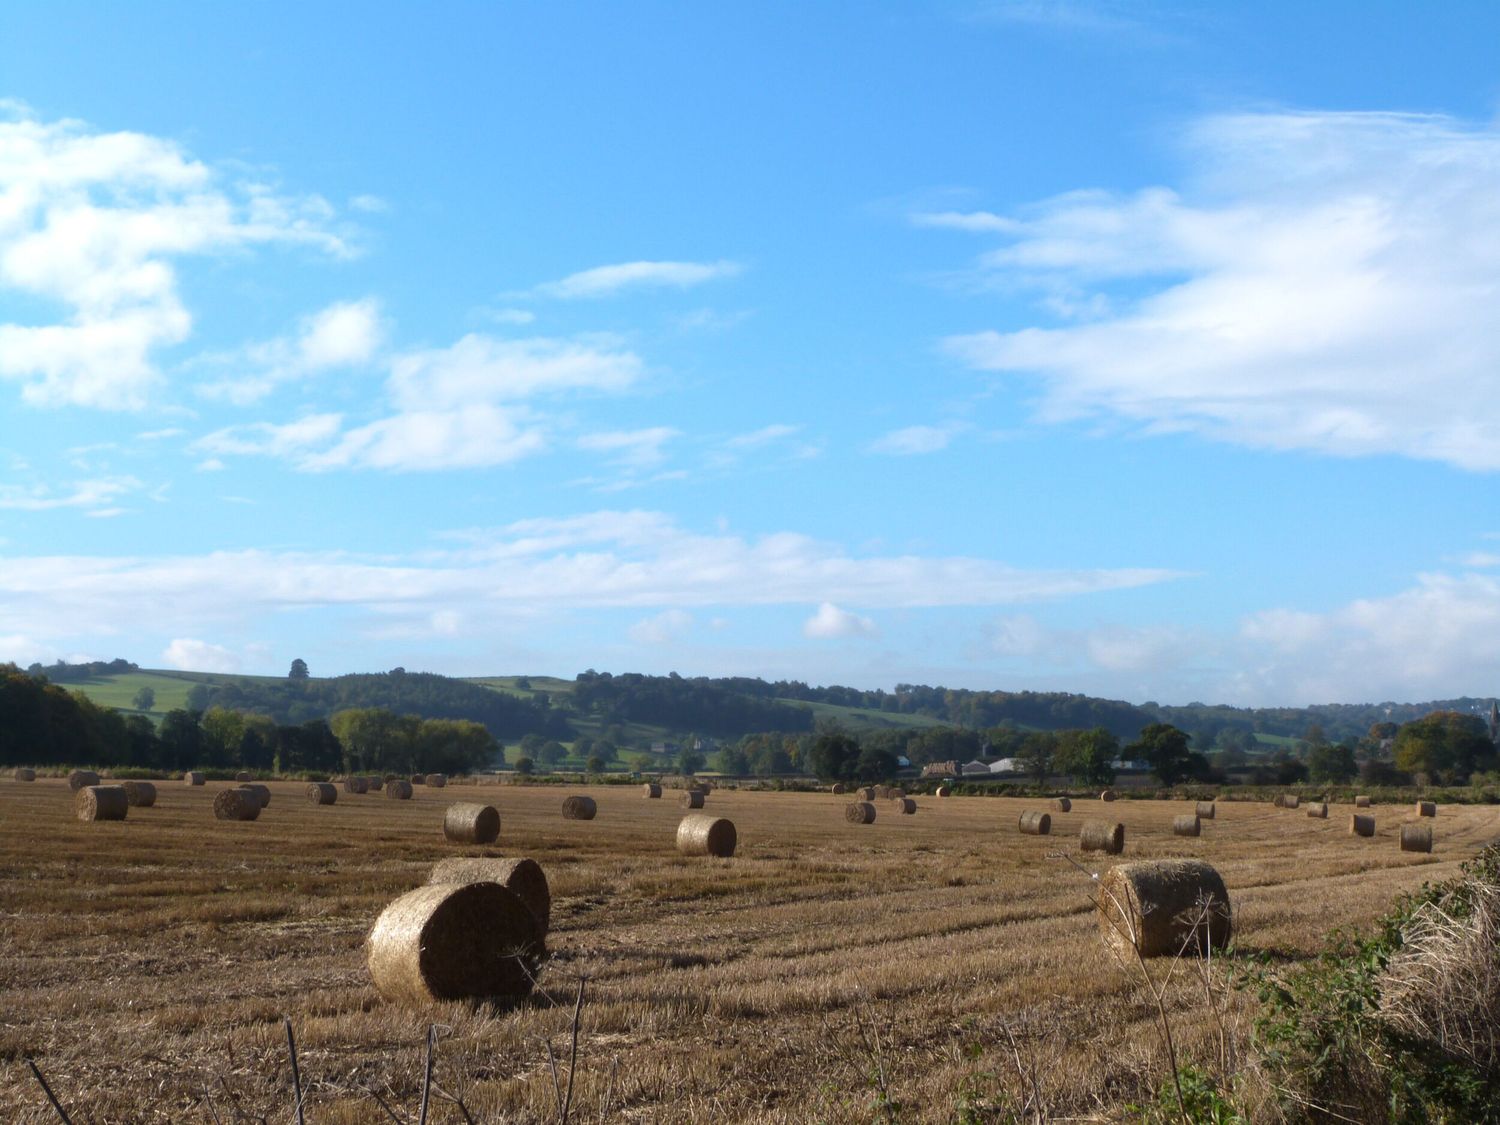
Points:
(1142, 350)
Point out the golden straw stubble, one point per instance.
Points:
(455, 941)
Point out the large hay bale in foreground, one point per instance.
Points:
(244, 775)
(706, 835)
(1317, 809)
(1361, 802)
(906, 806)
(1204, 810)
(80, 779)
(1102, 836)
(262, 792)
(25, 774)
(322, 793)
(1107, 795)
(523, 876)
(139, 794)
(1035, 823)
(1427, 808)
(1416, 837)
(471, 824)
(101, 802)
(1062, 804)
(455, 941)
(867, 793)
(579, 808)
(236, 804)
(651, 791)
(860, 812)
(692, 799)
(1187, 825)
(437, 780)
(1164, 907)
(1361, 824)
(398, 790)
(194, 777)
(356, 785)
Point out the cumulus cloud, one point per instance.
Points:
(664, 628)
(93, 222)
(606, 281)
(199, 656)
(1321, 281)
(345, 334)
(830, 622)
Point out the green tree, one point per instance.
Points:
(834, 756)
(1166, 748)
(298, 670)
(595, 764)
(732, 760)
(1332, 761)
(1036, 754)
(145, 699)
(524, 766)
(1090, 756)
(551, 752)
(690, 760)
(1447, 746)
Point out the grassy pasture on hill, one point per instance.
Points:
(146, 961)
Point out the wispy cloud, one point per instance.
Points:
(99, 495)
(606, 281)
(664, 628)
(911, 440)
(632, 449)
(346, 334)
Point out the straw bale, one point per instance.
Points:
(139, 794)
(455, 941)
(579, 808)
(1164, 907)
(1036, 823)
(1427, 808)
(866, 793)
(1187, 824)
(356, 784)
(1102, 836)
(895, 794)
(376, 783)
(904, 805)
(1416, 837)
(860, 812)
(194, 777)
(262, 792)
(236, 804)
(1317, 809)
(25, 774)
(523, 876)
(322, 793)
(398, 790)
(838, 788)
(692, 799)
(1362, 802)
(1204, 809)
(244, 775)
(101, 802)
(1290, 800)
(944, 791)
(651, 791)
(78, 779)
(466, 823)
(1107, 795)
(1061, 804)
(1361, 824)
(418, 779)
(706, 835)
(437, 780)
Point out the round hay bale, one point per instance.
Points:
(101, 802)
(194, 777)
(356, 785)
(398, 790)
(1427, 808)
(1107, 795)
(139, 794)
(437, 780)
(1061, 804)
(838, 789)
(523, 876)
(1036, 824)
(322, 793)
(236, 804)
(25, 774)
(580, 808)
(1361, 824)
(1290, 800)
(376, 783)
(944, 791)
(262, 792)
(1361, 802)
(244, 775)
(1187, 825)
(859, 812)
(471, 824)
(455, 941)
(904, 805)
(1204, 810)
(651, 791)
(418, 779)
(1102, 836)
(866, 793)
(692, 799)
(706, 835)
(895, 794)
(79, 779)
(1317, 809)
(1416, 837)
(1164, 907)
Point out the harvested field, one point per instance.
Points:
(142, 961)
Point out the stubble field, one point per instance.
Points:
(934, 965)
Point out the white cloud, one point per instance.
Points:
(92, 222)
(914, 440)
(199, 656)
(605, 281)
(667, 626)
(511, 316)
(766, 435)
(428, 440)
(974, 221)
(633, 449)
(1324, 281)
(481, 368)
(370, 204)
(345, 334)
(99, 495)
(830, 622)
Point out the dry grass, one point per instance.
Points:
(144, 962)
